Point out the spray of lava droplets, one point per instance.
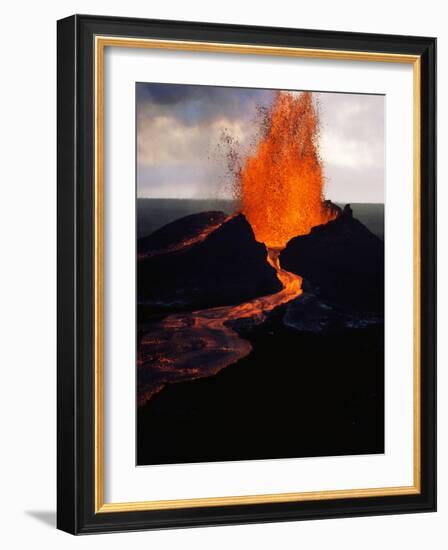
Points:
(281, 184)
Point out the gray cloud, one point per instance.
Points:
(193, 105)
(352, 146)
(179, 128)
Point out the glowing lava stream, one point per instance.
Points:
(199, 344)
(186, 243)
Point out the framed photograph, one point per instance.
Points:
(246, 274)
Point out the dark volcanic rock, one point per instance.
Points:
(297, 394)
(227, 267)
(311, 315)
(300, 392)
(344, 260)
(173, 234)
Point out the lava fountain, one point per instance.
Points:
(281, 184)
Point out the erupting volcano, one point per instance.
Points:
(257, 300)
(281, 187)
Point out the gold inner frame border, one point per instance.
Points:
(100, 43)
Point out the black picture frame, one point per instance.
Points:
(76, 511)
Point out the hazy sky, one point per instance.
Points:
(180, 128)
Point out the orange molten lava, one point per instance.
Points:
(282, 183)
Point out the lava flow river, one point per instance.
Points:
(194, 345)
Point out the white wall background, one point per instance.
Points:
(28, 281)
